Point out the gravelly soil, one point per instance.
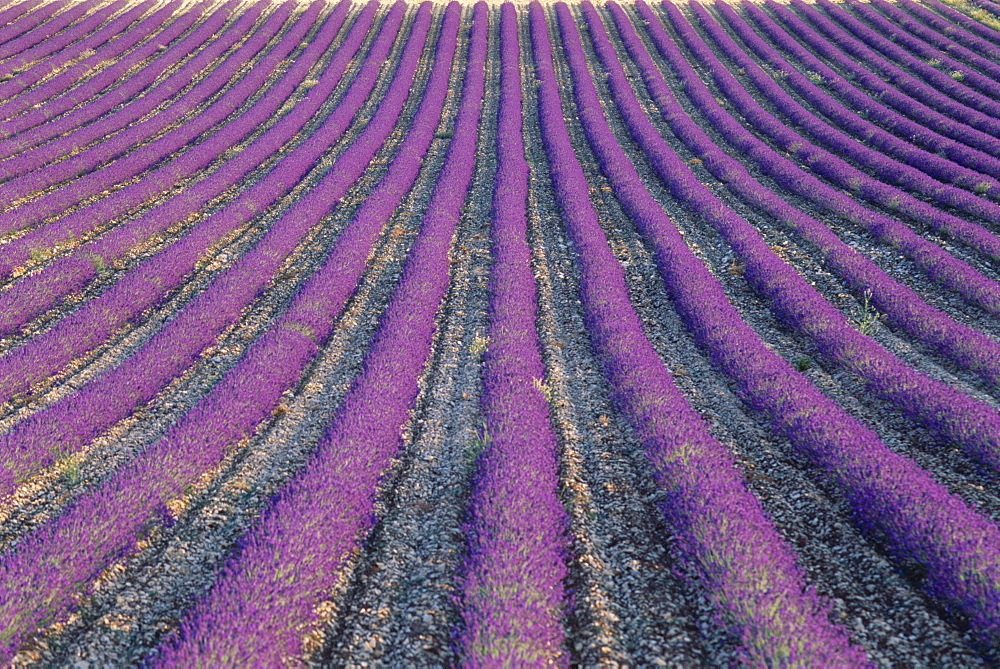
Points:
(633, 600)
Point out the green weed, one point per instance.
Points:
(478, 345)
(99, 265)
(865, 316)
(475, 446)
(546, 389)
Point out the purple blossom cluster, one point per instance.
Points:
(229, 131)
(991, 6)
(939, 265)
(36, 132)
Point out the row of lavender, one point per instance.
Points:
(819, 433)
(88, 178)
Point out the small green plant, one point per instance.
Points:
(865, 315)
(545, 389)
(303, 329)
(803, 363)
(478, 345)
(475, 446)
(40, 254)
(934, 62)
(72, 474)
(815, 77)
(99, 265)
(957, 75)
(982, 187)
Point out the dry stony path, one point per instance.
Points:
(501, 334)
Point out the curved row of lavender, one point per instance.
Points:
(103, 165)
(45, 24)
(24, 301)
(513, 597)
(266, 595)
(69, 55)
(841, 172)
(940, 266)
(965, 421)
(954, 20)
(901, 304)
(72, 422)
(93, 31)
(146, 284)
(750, 571)
(901, 115)
(137, 139)
(63, 106)
(18, 18)
(969, 87)
(944, 48)
(900, 78)
(124, 504)
(824, 433)
(37, 159)
(919, 172)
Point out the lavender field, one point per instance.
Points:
(609, 333)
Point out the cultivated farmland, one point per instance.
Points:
(615, 333)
